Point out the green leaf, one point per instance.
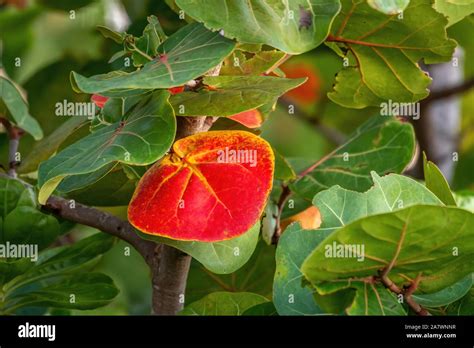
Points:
(18, 108)
(255, 276)
(10, 192)
(289, 295)
(294, 27)
(224, 303)
(382, 144)
(148, 43)
(369, 299)
(339, 207)
(220, 257)
(113, 189)
(384, 51)
(190, 53)
(43, 149)
(233, 94)
(262, 309)
(111, 34)
(27, 225)
(434, 241)
(57, 261)
(144, 136)
(283, 169)
(466, 307)
(465, 199)
(61, 5)
(90, 290)
(258, 64)
(436, 182)
(447, 295)
(12, 269)
(389, 7)
(455, 10)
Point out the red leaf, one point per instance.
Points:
(99, 100)
(250, 119)
(212, 187)
(176, 90)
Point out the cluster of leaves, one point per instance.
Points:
(57, 277)
(411, 230)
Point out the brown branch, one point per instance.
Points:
(14, 135)
(406, 293)
(103, 221)
(449, 91)
(285, 194)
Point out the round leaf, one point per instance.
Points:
(213, 187)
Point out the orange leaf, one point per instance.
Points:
(310, 219)
(309, 92)
(250, 119)
(212, 187)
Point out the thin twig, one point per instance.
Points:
(449, 91)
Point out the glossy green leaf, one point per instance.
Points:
(389, 7)
(233, 94)
(294, 27)
(339, 207)
(436, 182)
(382, 144)
(77, 182)
(189, 53)
(18, 108)
(113, 189)
(434, 241)
(90, 290)
(43, 149)
(220, 257)
(446, 296)
(455, 10)
(143, 137)
(224, 303)
(290, 296)
(383, 52)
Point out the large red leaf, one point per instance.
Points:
(200, 192)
